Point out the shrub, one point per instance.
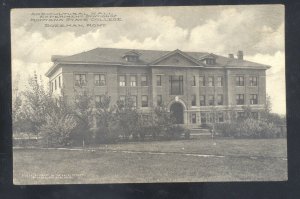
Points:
(163, 122)
(187, 134)
(175, 132)
(82, 136)
(148, 131)
(268, 130)
(127, 118)
(247, 128)
(105, 135)
(227, 129)
(250, 128)
(57, 129)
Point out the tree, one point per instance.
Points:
(60, 123)
(58, 128)
(265, 113)
(37, 101)
(16, 102)
(36, 111)
(84, 112)
(268, 116)
(107, 130)
(163, 121)
(268, 105)
(269, 125)
(127, 117)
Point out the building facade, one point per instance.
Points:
(197, 87)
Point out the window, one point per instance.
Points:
(252, 81)
(210, 81)
(52, 86)
(211, 100)
(55, 84)
(194, 81)
(201, 81)
(97, 98)
(159, 100)
(122, 98)
(99, 80)
(131, 58)
(176, 85)
(219, 81)
(194, 118)
(240, 115)
(158, 80)
(203, 118)
(254, 115)
(146, 118)
(239, 81)
(193, 100)
(132, 80)
(59, 82)
(202, 100)
(220, 99)
(253, 98)
(134, 100)
(144, 101)
(100, 98)
(210, 61)
(211, 117)
(144, 80)
(240, 99)
(220, 117)
(80, 80)
(122, 80)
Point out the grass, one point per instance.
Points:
(116, 165)
(235, 147)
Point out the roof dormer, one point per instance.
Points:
(209, 59)
(131, 56)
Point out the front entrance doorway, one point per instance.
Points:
(176, 110)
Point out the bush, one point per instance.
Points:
(175, 132)
(57, 129)
(269, 130)
(82, 136)
(108, 130)
(104, 135)
(187, 134)
(226, 129)
(250, 128)
(148, 131)
(163, 121)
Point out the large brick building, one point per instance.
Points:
(193, 85)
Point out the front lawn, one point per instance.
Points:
(235, 147)
(243, 160)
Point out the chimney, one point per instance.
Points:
(231, 56)
(240, 55)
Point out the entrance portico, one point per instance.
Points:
(179, 110)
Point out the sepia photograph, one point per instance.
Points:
(148, 94)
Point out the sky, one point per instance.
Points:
(258, 30)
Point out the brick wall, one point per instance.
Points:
(229, 90)
(112, 73)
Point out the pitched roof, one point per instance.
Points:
(209, 55)
(147, 57)
(187, 56)
(132, 52)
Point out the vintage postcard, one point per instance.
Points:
(148, 94)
